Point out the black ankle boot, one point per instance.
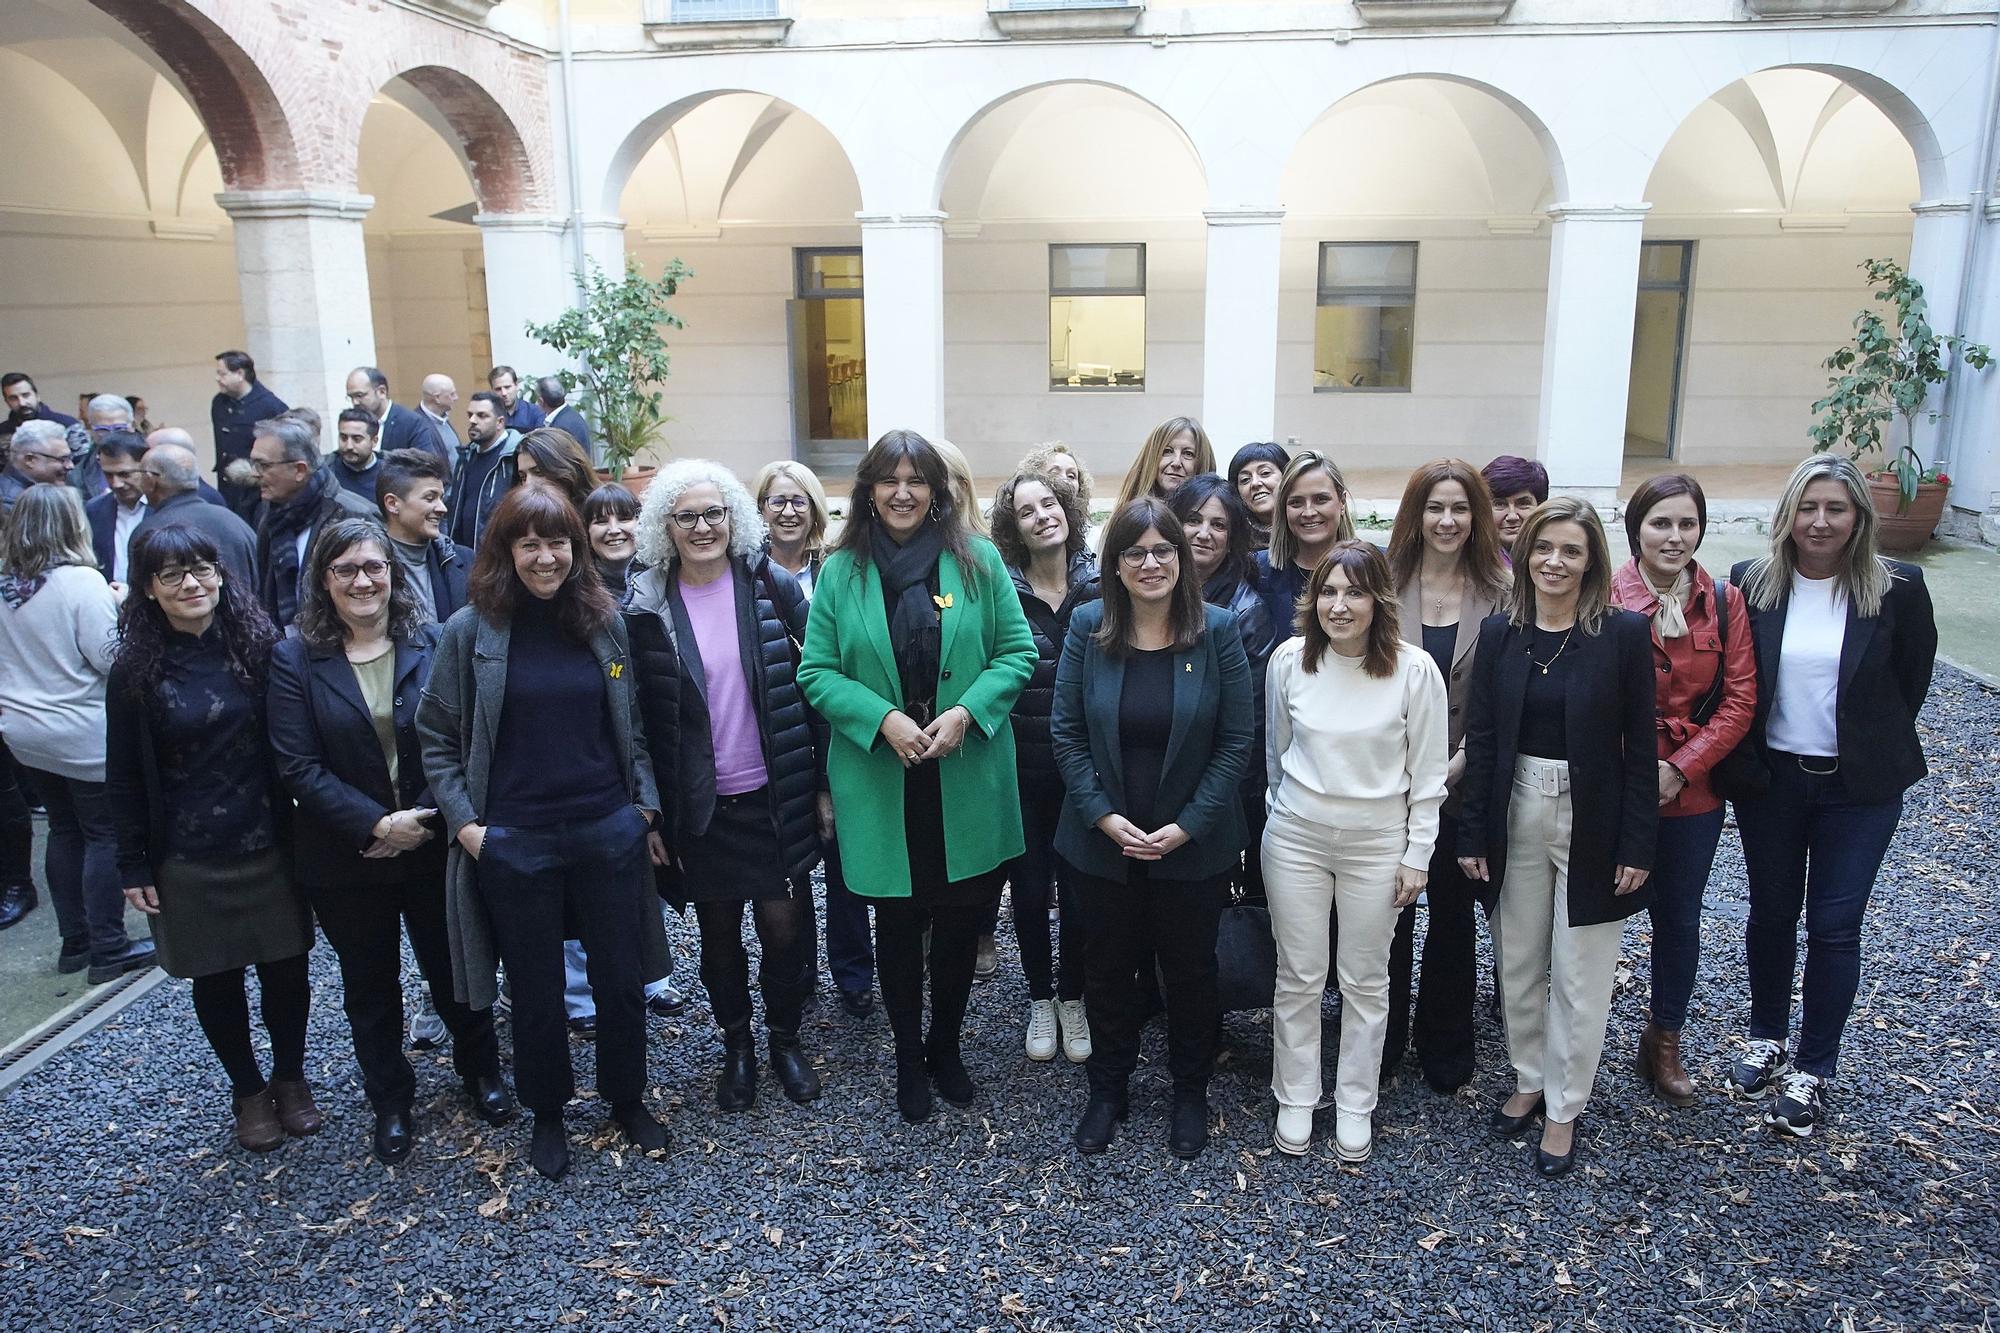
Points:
(913, 1088)
(795, 1073)
(948, 1074)
(548, 1146)
(736, 1085)
(1099, 1124)
(645, 1133)
(1188, 1133)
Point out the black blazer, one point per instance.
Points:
(330, 761)
(450, 568)
(1886, 662)
(407, 428)
(1613, 768)
(1208, 750)
(102, 511)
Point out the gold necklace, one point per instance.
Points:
(1558, 653)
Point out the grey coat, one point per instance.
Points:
(457, 725)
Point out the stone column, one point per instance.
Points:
(902, 265)
(1587, 347)
(1937, 260)
(1239, 355)
(604, 245)
(303, 272)
(528, 277)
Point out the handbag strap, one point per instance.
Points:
(1713, 699)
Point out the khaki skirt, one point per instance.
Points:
(218, 915)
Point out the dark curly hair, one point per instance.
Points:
(319, 623)
(583, 607)
(1238, 565)
(1007, 526)
(247, 633)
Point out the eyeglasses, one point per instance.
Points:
(349, 570)
(33, 453)
(778, 504)
(175, 575)
(106, 428)
(260, 466)
(1135, 557)
(715, 516)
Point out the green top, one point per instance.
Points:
(377, 678)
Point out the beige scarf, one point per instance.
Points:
(1670, 617)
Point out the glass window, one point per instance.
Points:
(829, 273)
(1365, 324)
(1097, 317)
(721, 11)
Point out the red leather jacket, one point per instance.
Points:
(1684, 670)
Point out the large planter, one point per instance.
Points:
(1905, 530)
(635, 480)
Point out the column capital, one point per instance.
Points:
(1575, 212)
(924, 220)
(520, 222)
(1244, 216)
(1941, 208)
(243, 205)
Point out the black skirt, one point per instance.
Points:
(923, 832)
(737, 860)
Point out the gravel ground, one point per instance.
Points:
(123, 1203)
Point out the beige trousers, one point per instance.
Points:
(1311, 870)
(1555, 978)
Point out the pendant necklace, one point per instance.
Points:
(1558, 653)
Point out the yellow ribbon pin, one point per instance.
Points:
(617, 671)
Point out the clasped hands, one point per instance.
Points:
(912, 744)
(399, 831)
(1136, 843)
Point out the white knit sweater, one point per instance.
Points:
(56, 645)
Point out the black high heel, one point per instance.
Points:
(1507, 1126)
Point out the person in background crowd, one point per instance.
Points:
(1355, 758)
(58, 626)
(518, 410)
(611, 515)
(547, 833)
(115, 515)
(142, 425)
(1845, 644)
(551, 457)
(410, 492)
(1176, 450)
(342, 706)
(1151, 730)
(1705, 697)
(1255, 472)
(964, 490)
(1449, 574)
(306, 417)
(1312, 504)
(437, 398)
(1517, 486)
(397, 427)
(1560, 810)
(914, 654)
(24, 403)
(356, 461)
(239, 404)
(714, 626)
(1058, 460)
(17, 846)
(794, 508)
(197, 811)
(174, 495)
(39, 454)
(485, 468)
(1038, 525)
(174, 435)
(555, 405)
(301, 496)
(108, 414)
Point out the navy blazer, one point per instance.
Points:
(450, 567)
(407, 428)
(102, 511)
(1613, 763)
(1208, 750)
(1886, 662)
(330, 761)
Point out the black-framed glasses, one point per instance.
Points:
(203, 571)
(715, 516)
(778, 504)
(1161, 553)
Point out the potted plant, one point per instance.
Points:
(1883, 375)
(615, 338)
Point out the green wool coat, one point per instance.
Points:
(848, 672)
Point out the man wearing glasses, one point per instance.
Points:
(40, 453)
(175, 494)
(301, 496)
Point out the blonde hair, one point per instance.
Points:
(47, 530)
(1282, 541)
(1037, 460)
(1864, 577)
(818, 514)
(1143, 477)
(1593, 598)
(962, 490)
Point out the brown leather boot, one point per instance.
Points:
(257, 1127)
(296, 1110)
(1660, 1065)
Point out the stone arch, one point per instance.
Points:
(948, 159)
(506, 178)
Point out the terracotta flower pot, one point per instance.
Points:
(1905, 530)
(635, 480)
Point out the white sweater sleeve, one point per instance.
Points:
(1277, 718)
(1426, 712)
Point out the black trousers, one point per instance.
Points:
(17, 825)
(594, 874)
(725, 964)
(365, 925)
(222, 1006)
(899, 966)
(1448, 980)
(1175, 920)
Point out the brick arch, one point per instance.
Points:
(505, 175)
(253, 135)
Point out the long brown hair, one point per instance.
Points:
(560, 460)
(1143, 477)
(1593, 598)
(879, 464)
(582, 606)
(1485, 568)
(1367, 571)
(1187, 617)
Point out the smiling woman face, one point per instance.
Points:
(1447, 517)
(1313, 508)
(700, 524)
(902, 500)
(1668, 539)
(1822, 527)
(1560, 560)
(1345, 613)
(1257, 483)
(611, 538)
(1510, 512)
(542, 563)
(1150, 578)
(787, 511)
(1039, 514)
(1208, 536)
(1177, 462)
(358, 582)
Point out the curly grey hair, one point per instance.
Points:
(746, 526)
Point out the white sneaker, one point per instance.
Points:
(1075, 1030)
(1353, 1134)
(1294, 1131)
(1041, 1041)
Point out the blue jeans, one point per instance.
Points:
(1682, 857)
(81, 863)
(577, 1000)
(850, 947)
(1809, 849)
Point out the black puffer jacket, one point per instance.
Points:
(1033, 755)
(771, 616)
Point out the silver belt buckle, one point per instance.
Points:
(1551, 781)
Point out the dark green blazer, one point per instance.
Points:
(1208, 750)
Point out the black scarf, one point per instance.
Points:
(915, 631)
(282, 526)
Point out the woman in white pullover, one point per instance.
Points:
(1356, 753)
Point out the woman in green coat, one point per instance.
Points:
(914, 653)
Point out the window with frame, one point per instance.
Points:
(1364, 325)
(1097, 317)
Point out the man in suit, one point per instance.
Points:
(434, 404)
(172, 488)
(239, 404)
(107, 414)
(301, 495)
(564, 417)
(410, 489)
(398, 426)
(520, 413)
(115, 515)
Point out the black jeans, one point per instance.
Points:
(1038, 876)
(725, 965)
(223, 1008)
(17, 825)
(1447, 980)
(365, 924)
(1174, 920)
(899, 963)
(594, 873)
(82, 865)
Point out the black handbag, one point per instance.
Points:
(1741, 774)
(1246, 956)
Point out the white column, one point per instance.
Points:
(1239, 354)
(527, 278)
(1974, 424)
(604, 245)
(1587, 347)
(303, 272)
(1937, 260)
(902, 267)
